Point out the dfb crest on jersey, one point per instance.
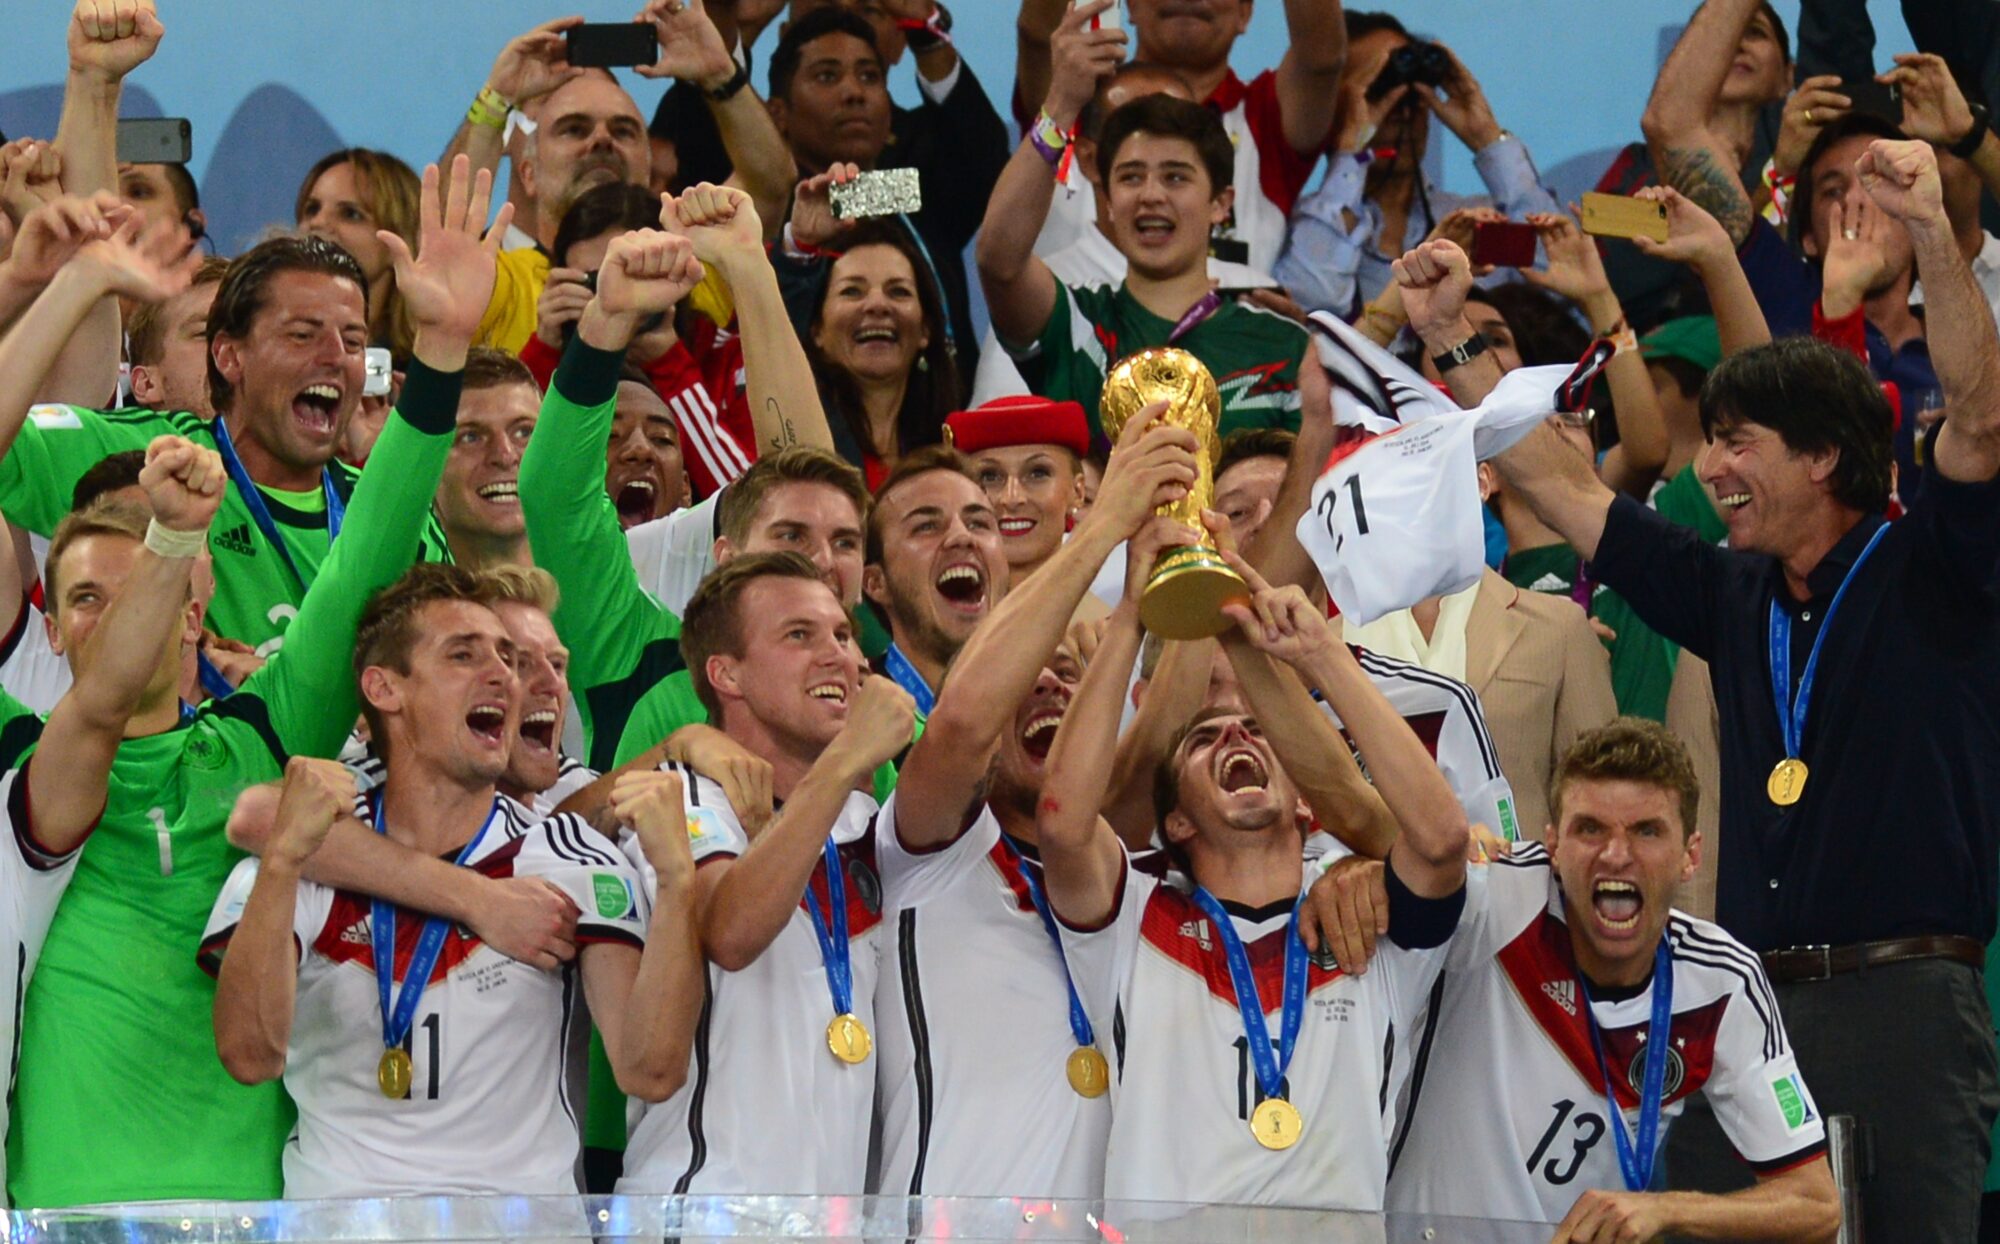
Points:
(1635, 1074)
(866, 883)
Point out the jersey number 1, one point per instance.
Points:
(435, 1049)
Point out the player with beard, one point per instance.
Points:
(790, 919)
(1212, 1101)
(285, 369)
(992, 1081)
(936, 567)
(1568, 959)
(466, 1090)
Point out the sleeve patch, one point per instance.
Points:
(50, 417)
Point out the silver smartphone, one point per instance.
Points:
(884, 192)
(378, 377)
(155, 140)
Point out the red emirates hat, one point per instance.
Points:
(1019, 420)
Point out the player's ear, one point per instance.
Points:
(1691, 856)
(721, 670)
(54, 631)
(379, 688)
(724, 552)
(1177, 827)
(146, 388)
(1220, 206)
(874, 584)
(228, 360)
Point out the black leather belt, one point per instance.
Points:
(1818, 963)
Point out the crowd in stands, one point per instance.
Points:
(588, 667)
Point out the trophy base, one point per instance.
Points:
(1186, 592)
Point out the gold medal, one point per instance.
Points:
(848, 1038)
(393, 1074)
(1276, 1123)
(1089, 1074)
(1787, 782)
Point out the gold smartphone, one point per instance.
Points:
(1619, 216)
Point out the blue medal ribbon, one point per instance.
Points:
(904, 675)
(833, 949)
(213, 684)
(253, 499)
(1792, 709)
(1635, 1157)
(1292, 1009)
(398, 1015)
(1079, 1023)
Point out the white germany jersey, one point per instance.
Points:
(1183, 1086)
(974, 1093)
(30, 670)
(34, 881)
(488, 1110)
(673, 552)
(767, 1108)
(1445, 714)
(1506, 1113)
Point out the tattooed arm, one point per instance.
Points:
(1687, 152)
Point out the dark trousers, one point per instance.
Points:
(1908, 1051)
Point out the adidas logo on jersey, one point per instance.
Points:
(357, 934)
(236, 540)
(1198, 930)
(1564, 993)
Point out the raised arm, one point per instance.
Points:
(1934, 109)
(312, 696)
(1033, 29)
(1151, 465)
(66, 789)
(1428, 854)
(1698, 240)
(1020, 289)
(107, 40)
(1309, 74)
(1689, 155)
(1275, 549)
(1435, 278)
(647, 1011)
(73, 248)
(1576, 272)
(1902, 178)
(1082, 859)
(745, 902)
(529, 67)
(258, 984)
(722, 225)
(1560, 486)
(692, 50)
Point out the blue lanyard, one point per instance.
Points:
(1636, 1158)
(212, 680)
(1079, 1023)
(396, 1017)
(1270, 1068)
(904, 675)
(253, 499)
(1791, 710)
(833, 941)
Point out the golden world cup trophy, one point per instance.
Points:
(1190, 584)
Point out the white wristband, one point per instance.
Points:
(167, 542)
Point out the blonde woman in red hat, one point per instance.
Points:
(1027, 453)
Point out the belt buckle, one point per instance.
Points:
(1825, 953)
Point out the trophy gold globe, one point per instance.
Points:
(1188, 585)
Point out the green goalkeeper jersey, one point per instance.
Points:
(1252, 353)
(120, 1094)
(621, 641)
(257, 591)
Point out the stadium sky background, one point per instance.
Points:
(272, 87)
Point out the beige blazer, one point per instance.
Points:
(1691, 715)
(1543, 678)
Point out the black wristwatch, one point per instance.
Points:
(1459, 355)
(730, 85)
(1968, 146)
